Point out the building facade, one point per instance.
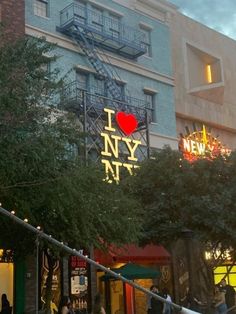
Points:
(115, 55)
(140, 57)
(205, 104)
(204, 63)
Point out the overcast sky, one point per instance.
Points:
(217, 14)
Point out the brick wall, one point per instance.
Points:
(12, 16)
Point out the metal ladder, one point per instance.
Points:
(90, 51)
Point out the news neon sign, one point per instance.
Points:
(114, 145)
(202, 144)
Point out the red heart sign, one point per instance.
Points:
(127, 122)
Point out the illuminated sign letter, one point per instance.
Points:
(113, 146)
(186, 145)
(130, 148)
(109, 126)
(112, 174)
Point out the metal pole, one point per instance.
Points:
(147, 134)
(37, 276)
(71, 251)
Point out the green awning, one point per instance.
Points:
(133, 271)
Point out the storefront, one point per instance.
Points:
(7, 275)
(146, 266)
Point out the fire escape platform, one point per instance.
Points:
(103, 31)
(72, 100)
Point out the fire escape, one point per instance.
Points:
(94, 32)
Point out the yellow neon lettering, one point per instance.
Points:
(200, 148)
(129, 167)
(130, 148)
(111, 173)
(193, 147)
(109, 124)
(110, 146)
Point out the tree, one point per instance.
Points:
(177, 195)
(42, 177)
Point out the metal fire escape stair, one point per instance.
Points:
(93, 116)
(90, 51)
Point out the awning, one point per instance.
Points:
(133, 271)
(130, 253)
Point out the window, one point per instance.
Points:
(82, 84)
(98, 86)
(41, 8)
(97, 18)
(114, 25)
(146, 41)
(80, 12)
(82, 80)
(228, 272)
(150, 100)
(204, 74)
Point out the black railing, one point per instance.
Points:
(119, 36)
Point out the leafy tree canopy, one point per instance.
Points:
(177, 195)
(41, 175)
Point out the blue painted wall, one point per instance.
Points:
(160, 61)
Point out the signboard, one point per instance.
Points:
(116, 145)
(79, 282)
(202, 144)
(56, 281)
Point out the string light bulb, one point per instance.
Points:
(38, 227)
(13, 212)
(26, 220)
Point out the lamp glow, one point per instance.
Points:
(209, 74)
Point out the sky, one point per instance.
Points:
(217, 14)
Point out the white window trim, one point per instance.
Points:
(150, 91)
(145, 26)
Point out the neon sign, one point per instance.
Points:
(201, 144)
(115, 144)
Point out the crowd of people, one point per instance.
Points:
(224, 298)
(223, 302)
(155, 306)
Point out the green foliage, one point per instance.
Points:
(41, 175)
(178, 195)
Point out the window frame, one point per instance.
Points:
(115, 32)
(97, 23)
(38, 10)
(146, 43)
(152, 104)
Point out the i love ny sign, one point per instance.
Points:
(114, 144)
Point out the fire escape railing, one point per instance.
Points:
(107, 32)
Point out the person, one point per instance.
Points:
(156, 305)
(190, 301)
(64, 305)
(97, 305)
(219, 301)
(149, 301)
(229, 295)
(167, 309)
(6, 309)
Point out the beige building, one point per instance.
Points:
(204, 65)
